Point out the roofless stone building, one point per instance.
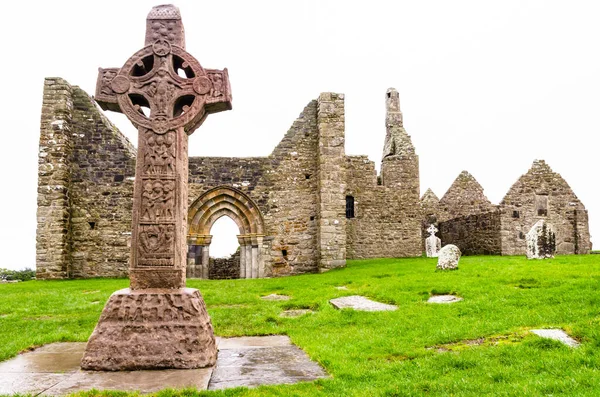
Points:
(470, 221)
(306, 207)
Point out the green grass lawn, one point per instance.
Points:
(384, 353)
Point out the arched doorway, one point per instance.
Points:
(206, 210)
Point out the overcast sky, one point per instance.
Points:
(484, 86)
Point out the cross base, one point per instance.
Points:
(152, 329)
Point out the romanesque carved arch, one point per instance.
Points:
(206, 210)
(221, 201)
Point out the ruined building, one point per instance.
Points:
(307, 207)
(469, 220)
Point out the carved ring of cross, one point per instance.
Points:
(150, 79)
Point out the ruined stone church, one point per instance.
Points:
(307, 207)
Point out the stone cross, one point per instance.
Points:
(166, 94)
(432, 230)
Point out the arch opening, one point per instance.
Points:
(228, 208)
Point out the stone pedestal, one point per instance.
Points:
(151, 329)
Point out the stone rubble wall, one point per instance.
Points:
(477, 234)
(224, 268)
(102, 193)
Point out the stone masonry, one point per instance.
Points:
(470, 221)
(306, 207)
(291, 206)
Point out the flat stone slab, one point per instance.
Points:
(254, 367)
(444, 299)
(360, 303)
(275, 297)
(556, 334)
(295, 313)
(342, 288)
(243, 361)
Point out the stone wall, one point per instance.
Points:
(387, 215)
(386, 220)
(54, 180)
(306, 207)
(477, 234)
(543, 194)
(93, 163)
(102, 173)
(283, 185)
(331, 200)
(225, 268)
(464, 197)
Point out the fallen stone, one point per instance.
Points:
(295, 313)
(444, 299)
(275, 297)
(342, 288)
(556, 334)
(360, 303)
(448, 257)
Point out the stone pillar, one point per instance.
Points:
(331, 182)
(191, 261)
(254, 261)
(54, 179)
(205, 262)
(261, 264)
(242, 257)
(248, 249)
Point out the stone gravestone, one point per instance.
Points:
(433, 244)
(448, 257)
(541, 241)
(166, 94)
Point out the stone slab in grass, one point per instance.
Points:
(295, 312)
(247, 366)
(275, 297)
(360, 303)
(444, 299)
(556, 334)
(243, 361)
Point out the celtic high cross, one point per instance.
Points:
(166, 94)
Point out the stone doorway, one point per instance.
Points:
(205, 211)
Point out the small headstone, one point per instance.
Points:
(433, 244)
(360, 303)
(275, 297)
(444, 299)
(448, 257)
(541, 241)
(556, 334)
(342, 288)
(295, 312)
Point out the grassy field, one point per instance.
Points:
(378, 354)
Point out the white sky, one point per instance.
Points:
(484, 86)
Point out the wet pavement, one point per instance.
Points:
(244, 361)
